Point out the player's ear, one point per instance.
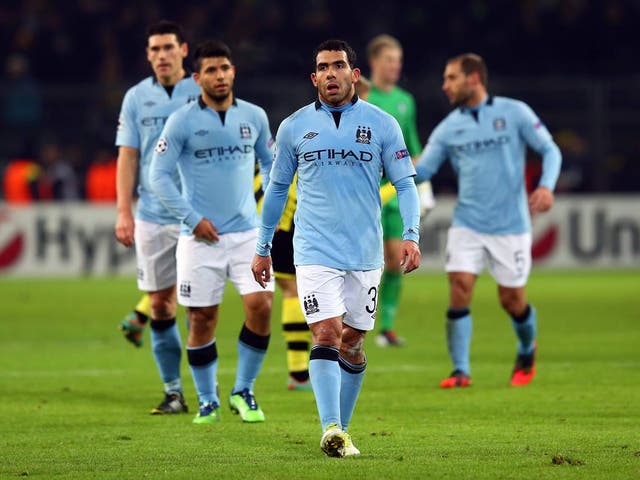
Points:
(314, 80)
(184, 49)
(355, 75)
(196, 77)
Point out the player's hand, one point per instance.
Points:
(124, 228)
(261, 268)
(427, 200)
(541, 200)
(411, 256)
(206, 231)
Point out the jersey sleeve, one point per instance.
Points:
(264, 147)
(164, 162)
(275, 199)
(285, 163)
(395, 156)
(411, 136)
(433, 155)
(536, 135)
(127, 134)
(409, 205)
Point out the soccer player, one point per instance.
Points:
(384, 54)
(338, 146)
(485, 139)
(214, 143)
(154, 232)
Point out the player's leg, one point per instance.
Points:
(167, 349)
(201, 281)
(465, 259)
(325, 374)
(132, 325)
(391, 282)
(361, 299)
(297, 335)
(202, 353)
(510, 266)
(155, 254)
(321, 293)
(294, 327)
(253, 340)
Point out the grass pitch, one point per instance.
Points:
(76, 396)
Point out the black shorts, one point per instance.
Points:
(282, 253)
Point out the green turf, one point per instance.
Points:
(75, 396)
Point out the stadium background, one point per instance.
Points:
(67, 66)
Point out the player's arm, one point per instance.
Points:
(536, 135)
(126, 170)
(128, 141)
(275, 197)
(164, 163)
(264, 148)
(409, 205)
(432, 157)
(400, 171)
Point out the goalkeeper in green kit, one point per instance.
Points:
(384, 54)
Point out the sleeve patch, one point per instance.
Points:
(402, 153)
(162, 146)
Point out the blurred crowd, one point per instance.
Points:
(66, 66)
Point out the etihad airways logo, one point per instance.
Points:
(336, 154)
(479, 146)
(223, 151)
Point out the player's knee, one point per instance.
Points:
(352, 346)
(162, 307)
(513, 303)
(460, 293)
(326, 332)
(260, 308)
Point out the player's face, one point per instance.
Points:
(456, 85)
(387, 65)
(334, 78)
(216, 77)
(165, 54)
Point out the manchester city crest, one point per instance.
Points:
(363, 135)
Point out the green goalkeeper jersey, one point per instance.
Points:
(400, 104)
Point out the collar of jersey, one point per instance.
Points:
(187, 74)
(487, 101)
(320, 104)
(203, 105)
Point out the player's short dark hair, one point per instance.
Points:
(210, 49)
(335, 46)
(164, 27)
(472, 63)
(380, 42)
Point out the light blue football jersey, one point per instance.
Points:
(215, 154)
(486, 146)
(339, 168)
(145, 109)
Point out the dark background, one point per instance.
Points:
(66, 66)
